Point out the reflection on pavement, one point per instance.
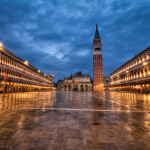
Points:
(75, 120)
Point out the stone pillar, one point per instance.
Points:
(24, 88)
(79, 89)
(16, 87)
(8, 88)
(12, 89)
(145, 89)
(4, 89)
(21, 88)
(141, 89)
(148, 71)
(144, 73)
(28, 88)
(137, 75)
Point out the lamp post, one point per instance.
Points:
(1, 45)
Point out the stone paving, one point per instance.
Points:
(74, 121)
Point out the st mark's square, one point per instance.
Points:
(74, 75)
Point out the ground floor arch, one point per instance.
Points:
(81, 88)
(65, 87)
(69, 88)
(75, 87)
(86, 88)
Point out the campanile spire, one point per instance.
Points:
(97, 62)
(97, 35)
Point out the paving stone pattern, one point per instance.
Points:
(74, 121)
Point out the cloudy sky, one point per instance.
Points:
(56, 35)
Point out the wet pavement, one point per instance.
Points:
(74, 121)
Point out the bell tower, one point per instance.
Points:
(97, 62)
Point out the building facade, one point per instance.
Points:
(98, 84)
(17, 75)
(106, 81)
(134, 75)
(76, 82)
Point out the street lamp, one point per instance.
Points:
(26, 62)
(1, 45)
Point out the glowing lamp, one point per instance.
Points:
(26, 62)
(1, 45)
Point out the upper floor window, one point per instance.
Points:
(97, 48)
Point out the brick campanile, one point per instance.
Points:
(97, 62)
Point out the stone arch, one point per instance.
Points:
(65, 87)
(90, 88)
(69, 88)
(86, 88)
(81, 87)
(75, 87)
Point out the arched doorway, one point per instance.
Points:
(90, 88)
(69, 87)
(81, 88)
(65, 87)
(75, 87)
(86, 88)
(7, 88)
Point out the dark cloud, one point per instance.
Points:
(56, 36)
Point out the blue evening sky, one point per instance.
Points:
(56, 35)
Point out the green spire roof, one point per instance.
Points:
(96, 36)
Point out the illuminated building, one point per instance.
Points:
(106, 81)
(17, 75)
(76, 82)
(98, 84)
(134, 75)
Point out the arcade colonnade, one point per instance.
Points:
(134, 75)
(78, 87)
(17, 75)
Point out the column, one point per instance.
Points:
(16, 87)
(21, 88)
(84, 88)
(4, 87)
(12, 89)
(137, 76)
(141, 89)
(148, 71)
(8, 88)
